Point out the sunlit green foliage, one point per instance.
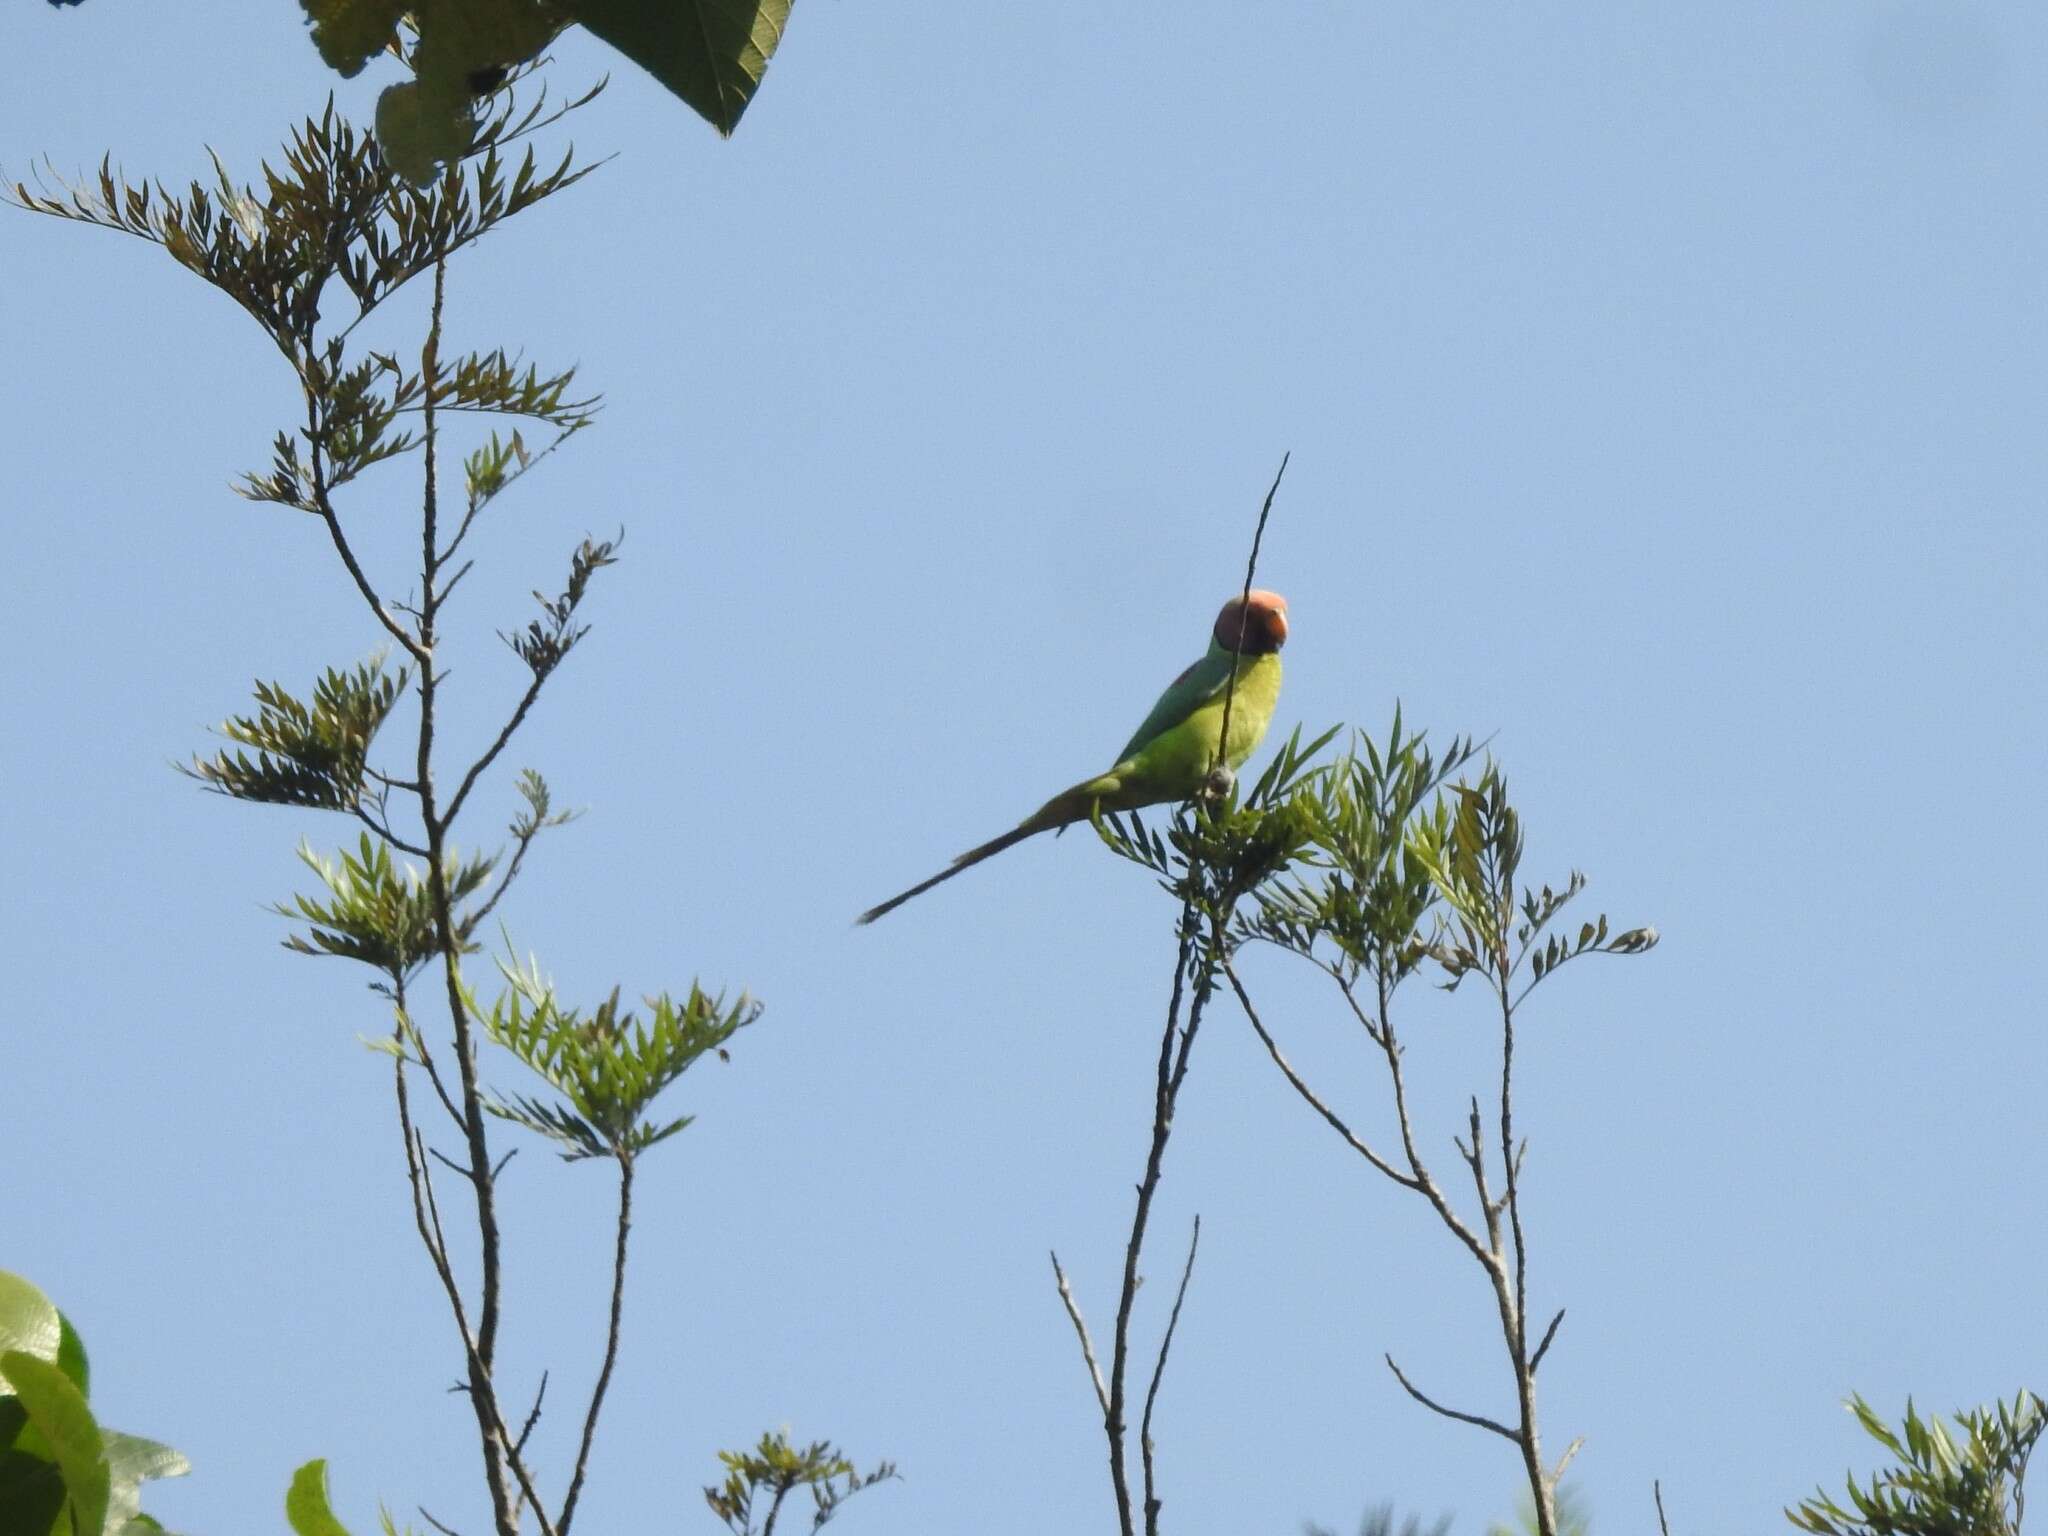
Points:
(311, 755)
(1967, 1484)
(333, 213)
(379, 910)
(1404, 867)
(608, 1065)
(324, 239)
(61, 1473)
(711, 53)
(773, 1470)
(549, 638)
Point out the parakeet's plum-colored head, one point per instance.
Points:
(1260, 618)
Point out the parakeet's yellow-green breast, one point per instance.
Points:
(1171, 755)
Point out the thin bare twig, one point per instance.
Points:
(1158, 1371)
(476, 769)
(426, 1060)
(611, 1344)
(427, 1515)
(1425, 1182)
(1081, 1332)
(383, 829)
(450, 1164)
(525, 841)
(1663, 1525)
(1308, 1094)
(532, 1414)
(1244, 606)
(484, 1399)
(1450, 1413)
(1578, 1444)
(1548, 1334)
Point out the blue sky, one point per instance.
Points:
(1665, 388)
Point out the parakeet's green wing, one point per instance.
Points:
(1203, 681)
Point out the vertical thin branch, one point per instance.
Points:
(1081, 1332)
(427, 1216)
(1158, 1371)
(611, 1343)
(1663, 1525)
(495, 1443)
(1514, 1314)
(1243, 606)
(1164, 1094)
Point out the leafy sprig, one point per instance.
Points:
(313, 754)
(609, 1064)
(774, 1469)
(1966, 1484)
(379, 910)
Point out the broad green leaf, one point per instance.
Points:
(29, 1322)
(31, 1493)
(421, 124)
(711, 53)
(306, 1506)
(350, 33)
(132, 1461)
(71, 1357)
(57, 1410)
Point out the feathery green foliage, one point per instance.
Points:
(609, 1066)
(311, 755)
(774, 1469)
(1407, 867)
(548, 639)
(317, 246)
(380, 910)
(1944, 1484)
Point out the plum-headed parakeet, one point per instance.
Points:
(1172, 754)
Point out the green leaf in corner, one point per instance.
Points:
(30, 1322)
(711, 53)
(306, 1506)
(71, 1357)
(57, 1411)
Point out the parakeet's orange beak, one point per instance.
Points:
(1260, 618)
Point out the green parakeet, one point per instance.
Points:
(1171, 755)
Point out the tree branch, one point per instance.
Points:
(1244, 615)
(1081, 1331)
(611, 1344)
(1450, 1413)
(490, 756)
(1543, 1348)
(1158, 1371)
(1167, 1089)
(1307, 1093)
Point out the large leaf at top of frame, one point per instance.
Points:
(711, 53)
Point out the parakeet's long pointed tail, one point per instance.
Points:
(1064, 809)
